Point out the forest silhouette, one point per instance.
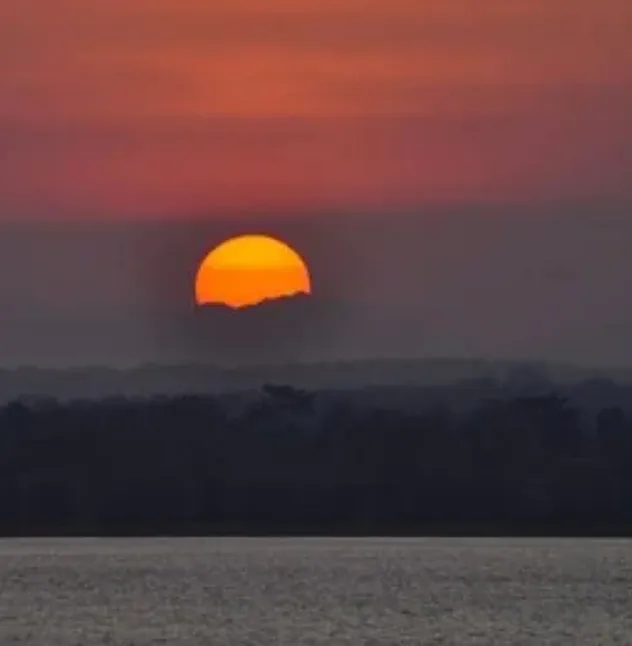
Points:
(478, 457)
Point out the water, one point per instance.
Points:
(315, 591)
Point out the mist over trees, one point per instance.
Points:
(474, 457)
(94, 382)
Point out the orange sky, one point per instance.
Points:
(116, 107)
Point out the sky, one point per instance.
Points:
(120, 108)
(459, 167)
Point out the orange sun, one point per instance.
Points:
(250, 269)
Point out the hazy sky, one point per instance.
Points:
(117, 107)
(463, 166)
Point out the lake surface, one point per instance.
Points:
(315, 591)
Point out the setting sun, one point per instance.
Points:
(250, 269)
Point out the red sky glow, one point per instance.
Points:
(114, 108)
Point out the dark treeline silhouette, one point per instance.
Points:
(471, 458)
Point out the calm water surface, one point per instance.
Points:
(315, 591)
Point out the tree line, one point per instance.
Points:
(295, 462)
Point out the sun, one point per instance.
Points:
(249, 269)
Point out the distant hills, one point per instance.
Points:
(151, 380)
(301, 341)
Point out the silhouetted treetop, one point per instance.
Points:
(459, 459)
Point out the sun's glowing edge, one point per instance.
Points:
(272, 253)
